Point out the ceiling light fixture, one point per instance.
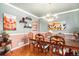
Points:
(49, 17)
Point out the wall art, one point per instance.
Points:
(9, 22)
(56, 25)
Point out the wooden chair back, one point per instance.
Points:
(57, 39)
(39, 37)
(57, 44)
(30, 35)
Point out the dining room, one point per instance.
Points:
(39, 29)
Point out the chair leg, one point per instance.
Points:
(50, 51)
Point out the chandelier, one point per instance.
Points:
(49, 17)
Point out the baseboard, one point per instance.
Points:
(18, 47)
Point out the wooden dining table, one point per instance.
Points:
(68, 43)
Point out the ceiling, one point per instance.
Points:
(41, 9)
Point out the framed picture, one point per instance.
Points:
(56, 25)
(9, 22)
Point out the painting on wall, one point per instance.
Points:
(9, 22)
(56, 25)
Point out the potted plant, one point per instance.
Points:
(5, 36)
(4, 42)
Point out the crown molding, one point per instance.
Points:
(20, 9)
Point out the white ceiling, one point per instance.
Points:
(41, 9)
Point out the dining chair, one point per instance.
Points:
(41, 44)
(57, 44)
(48, 35)
(70, 52)
(30, 37)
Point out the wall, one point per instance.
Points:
(43, 25)
(71, 19)
(19, 28)
(20, 32)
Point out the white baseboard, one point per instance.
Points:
(18, 47)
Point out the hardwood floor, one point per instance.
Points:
(26, 51)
